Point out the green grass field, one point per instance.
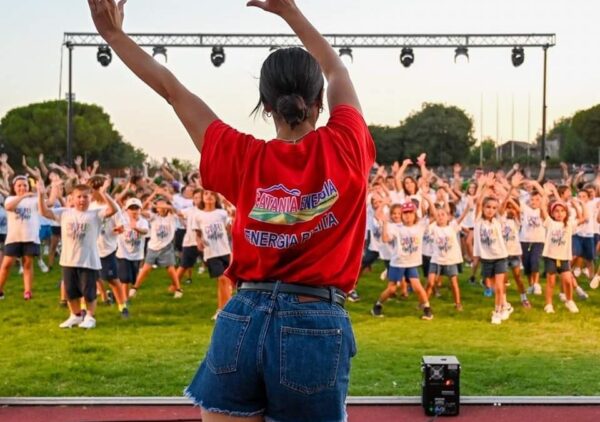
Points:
(156, 351)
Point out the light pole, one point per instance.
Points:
(70, 107)
(544, 106)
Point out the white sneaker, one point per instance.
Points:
(530, 290)
(20, 269)
(178, 294)
(214, 317)
(595, 282)
(201, 269)
(537, 289)
(562, 297)
(549, 309)
(586, 272)
(88, 322)
(576, 272)
(383, 275)
(496, 318)
(43, 266)
(506, 311)
(72, 321)
(132, 292)
(581, 293)
(571, 306)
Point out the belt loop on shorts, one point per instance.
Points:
(275, 290)
(331, 295)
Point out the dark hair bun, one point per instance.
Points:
(292, 108)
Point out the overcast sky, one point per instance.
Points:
(32, 31)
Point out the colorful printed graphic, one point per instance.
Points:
(282, 206)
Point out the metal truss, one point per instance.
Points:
(82, 39)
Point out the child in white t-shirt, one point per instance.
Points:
(161, 249)
(558, 253)
(23, 234)
(130, 243)
(405, 234)
(79, 257)
(191, 248)
(214, 229)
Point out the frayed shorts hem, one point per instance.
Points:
(235, 413)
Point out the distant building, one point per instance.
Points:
(516, 149)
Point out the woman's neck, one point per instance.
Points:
(286, 133)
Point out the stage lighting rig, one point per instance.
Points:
(461, 51)
(517, 56)
(104, 55)
(217, 57)
(159, 50)
(346, 51)
(407, 57)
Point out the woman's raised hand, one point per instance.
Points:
(278, 7)
(107, 16)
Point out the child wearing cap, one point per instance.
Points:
(130, 243)
(161, 250)
(557, 251)
(406, 237)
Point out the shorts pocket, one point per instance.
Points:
(226, 342)
(310, 358)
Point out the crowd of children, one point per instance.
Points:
(423, 226)
(494, 223)
(104, 240)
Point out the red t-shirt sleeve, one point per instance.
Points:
(354, 141)
(224, 159)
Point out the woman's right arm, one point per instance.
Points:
(339, 85)
(195, 115)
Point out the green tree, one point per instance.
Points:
(445, 133)
(488, 152)
(41, 128)
(586, 124)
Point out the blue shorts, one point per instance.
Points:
(21, 249)
(584, 247)
(273, 355)
(398, 274)
(514, 261)
(447, 270)
(532, 253)
(426, 261)
(45, 232)
(553, 266)
(189, 256)
(492, 267)
(108, 272)
(369, 257)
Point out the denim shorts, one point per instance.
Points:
(532, 253)
(445, 270)
(493, 267)
(584, 247)
(108, 272)
(164, 257)
(272, 354)
(399, 274)
(553, 266)
(514, 261)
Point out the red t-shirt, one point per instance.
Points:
(300, 208)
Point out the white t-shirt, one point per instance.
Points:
(386, 249)
(213, 225)
(488, 239)
(181, 203)
(162, 231)
(428, 245)
(192, 215)
(510, 232)
(130, 244)
(107, 241)
(587, 228)
(79, 234)
(23, 224)
(469, 220)
(532, 228)
(446, 249)
(375, 239)
(407, 244)
(558, 240)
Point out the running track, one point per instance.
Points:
(357, 413)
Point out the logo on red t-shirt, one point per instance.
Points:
(280, 205)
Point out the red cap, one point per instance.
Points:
(409, 207)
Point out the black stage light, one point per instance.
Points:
(160, 50)
(217, 57)
(104, 55)
(461, 51)
(407, 57)
(346, 51)
(517, 56)
(440, 385)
